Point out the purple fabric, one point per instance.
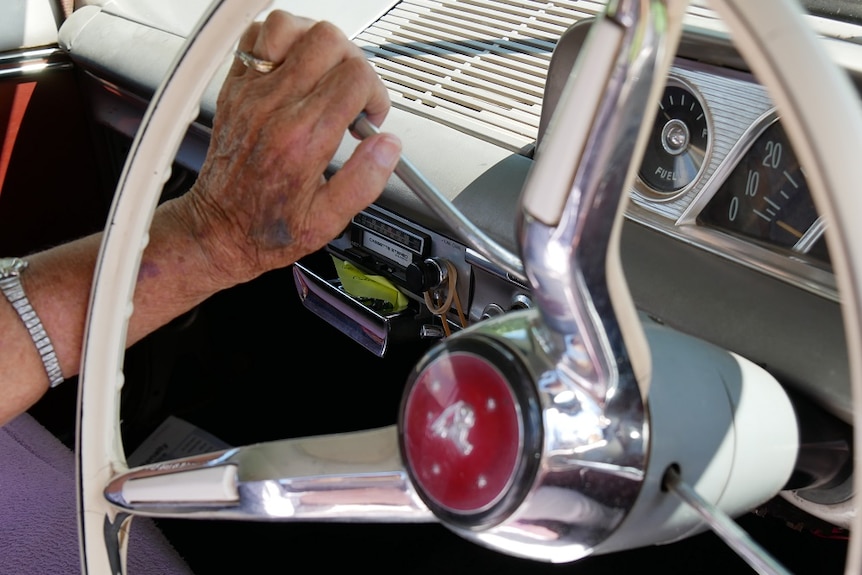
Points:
(38, 525)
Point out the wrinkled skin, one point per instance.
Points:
(261, 200)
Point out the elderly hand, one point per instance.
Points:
(261, 200)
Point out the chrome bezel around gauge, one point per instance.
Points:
(649, 190)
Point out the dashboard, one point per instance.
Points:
(695, 249)
(722, 239)
(712, 136)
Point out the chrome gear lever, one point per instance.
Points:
(428, 193)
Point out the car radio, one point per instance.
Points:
(386, 251)
(441, 285)
(387, 247)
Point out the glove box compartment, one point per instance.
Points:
(376, 330)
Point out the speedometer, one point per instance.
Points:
(766, 198)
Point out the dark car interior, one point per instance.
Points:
(255, 363)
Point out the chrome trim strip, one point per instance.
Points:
(27, 62)
(728, 164)
(814, 233)
(478, 260)
(791, 271)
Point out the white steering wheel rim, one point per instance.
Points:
(774, 40)
(777, 44)
(99, 448)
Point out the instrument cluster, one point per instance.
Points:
(719, 172)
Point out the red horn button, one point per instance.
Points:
(462, 433)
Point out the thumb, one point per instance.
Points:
(367, 170)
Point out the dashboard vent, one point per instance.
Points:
(479, 65)
(476, 65)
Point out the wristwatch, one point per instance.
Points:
(10, 284)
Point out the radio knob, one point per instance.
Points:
(426, 275)
(521, 301)
(492, 310)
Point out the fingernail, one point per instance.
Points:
(386, 150)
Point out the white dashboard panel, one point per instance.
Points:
(180, 17)
(27, 24)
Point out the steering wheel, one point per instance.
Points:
(578, 387)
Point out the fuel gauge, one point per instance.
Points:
(677, 144)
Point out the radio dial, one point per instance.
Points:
(492, 310)
(521, 301)
(426, 275)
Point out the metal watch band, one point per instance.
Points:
(10, 284)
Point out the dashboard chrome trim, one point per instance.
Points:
(814, 233)
(23, 63)
(791, 271)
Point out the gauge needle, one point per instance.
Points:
(789, 229)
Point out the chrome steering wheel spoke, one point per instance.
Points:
(356, 477)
